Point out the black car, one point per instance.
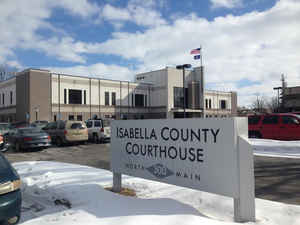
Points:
(27, 138)
(10, 193)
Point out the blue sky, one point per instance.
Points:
(246, 44)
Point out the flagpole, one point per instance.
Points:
(201, 55)
(202, 79)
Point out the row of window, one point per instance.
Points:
(2, 100)
(75, 97)
(222, 104)
(179, 99)
(79, 117)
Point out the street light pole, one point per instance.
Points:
(183, 84)
(183, 67)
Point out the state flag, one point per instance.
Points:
(197, 57)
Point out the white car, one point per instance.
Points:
(98, 129)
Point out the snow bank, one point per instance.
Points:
(274, 148)
(47, 183)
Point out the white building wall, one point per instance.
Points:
(159, 81)
(94, 92)
(120, 88)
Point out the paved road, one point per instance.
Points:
(276, 179)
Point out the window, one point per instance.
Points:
(252, 120)
(223, 104)
(11, 97)
(113, 98)
(84, 97)
(145, 100)
(77, 126)
(290, 120)
(209, 103)
(89, 124)
(79, 117)
(71, 117)
(55, 118)
(178, 97)
(75, 96)
(270, 120)
(97, 123)
(139, 100)
(52, 125)
(106, 98)
(3, 102)
(65, 96)
(206, 103)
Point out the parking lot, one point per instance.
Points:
(276, 179)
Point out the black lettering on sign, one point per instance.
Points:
(162, 133)
(215, 133)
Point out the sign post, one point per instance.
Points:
(211, 155)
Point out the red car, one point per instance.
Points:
(279, 126)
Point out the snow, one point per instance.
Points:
(273, 148)
(45, 183)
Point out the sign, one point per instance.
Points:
(202, 154)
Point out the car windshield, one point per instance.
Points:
(30, 131)
(89, 124)
(77, 126)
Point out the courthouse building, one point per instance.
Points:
(36, 94)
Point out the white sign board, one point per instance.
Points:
(202, 154)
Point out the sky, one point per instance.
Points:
(246, 44)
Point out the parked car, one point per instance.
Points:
(19, 124)
(10, 193)
(4, 128)
(39, 123)
(98, 129)
(280, 126)
(27, 138)
(63, 132)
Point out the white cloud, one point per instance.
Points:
(83, 8)
(98, 70)
(140, 12)
(21, 20)
(257, 46)
(112, 13)
(226, 3)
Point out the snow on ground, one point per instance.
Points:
(47, 183)
(273, 148)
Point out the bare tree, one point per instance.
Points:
(273, 104)
(259, 104)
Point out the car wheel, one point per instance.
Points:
(95, 138)
(14, 220)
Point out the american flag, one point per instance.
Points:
(196, 51)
